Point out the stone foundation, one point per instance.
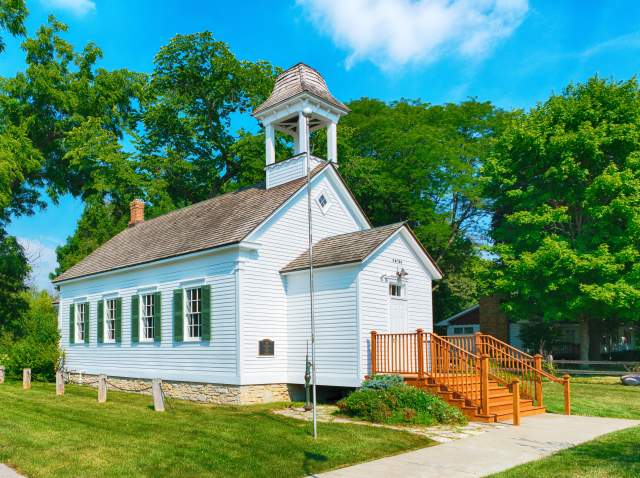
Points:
(216, 393)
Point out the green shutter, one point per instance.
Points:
(135, 318)
(206, 312)
(157, 317)
(118, 320)
(87, 319)
(72, 323)
(101, 321)
(178, 334)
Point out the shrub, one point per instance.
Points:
(380, 382)
(33, 340)
(400, 404)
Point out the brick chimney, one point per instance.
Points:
(137, 212)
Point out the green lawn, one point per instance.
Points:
(599, 397)
(49, 436)
(614, 455)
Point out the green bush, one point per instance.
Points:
(32, 342)
(400, 404)
(379, 382)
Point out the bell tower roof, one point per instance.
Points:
(299, 79)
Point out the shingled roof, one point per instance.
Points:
(344, 248)
(299, 79)
(216, 222)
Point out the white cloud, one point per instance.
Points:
(43, 260)
(394, 33)
(77, 7)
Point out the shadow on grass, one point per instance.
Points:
(310, 459)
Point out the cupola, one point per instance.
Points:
(299, 104)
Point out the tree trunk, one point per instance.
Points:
(584, 339)
(595, 337)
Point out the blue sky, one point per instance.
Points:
(512, 52)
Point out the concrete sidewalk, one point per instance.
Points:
(491, 452)
(6, 472)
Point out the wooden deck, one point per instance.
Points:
(487, 379)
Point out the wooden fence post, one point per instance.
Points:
(537, 361)
(102, 388)
(158, 397)
(567, 394)
(59, 383)
(478, 350)
(26, 378)
(484, 384)
(515, 390)
(420, 345)
(373, 352)
(1, 374)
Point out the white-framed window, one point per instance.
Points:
(110, 320)
(146, 317)
(81, 316)
(396, 290)
(193, 313)
(323, 202)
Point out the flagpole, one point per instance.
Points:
(306, 112)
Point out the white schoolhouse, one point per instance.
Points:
(214, 298)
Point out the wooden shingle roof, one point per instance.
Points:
(299, 79)
(344, 248)
(220, 221)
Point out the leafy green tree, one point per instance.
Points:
(565, 187)
(61, 95)
(196, 89)
(420, 162)
(14, 271)
(12, 16)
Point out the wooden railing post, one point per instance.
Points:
(515, 390)
(478, 336)
(484, 384)
(1, 374)
(158, 396)
(373, 352)
(420, 346)
(567, 394)
(537, 364)
(26, 378)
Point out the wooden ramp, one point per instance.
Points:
(487, 379)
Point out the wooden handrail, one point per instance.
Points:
(464, 364)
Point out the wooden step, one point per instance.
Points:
(507, 417)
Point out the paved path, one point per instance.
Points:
(491, 452)
(6, 472)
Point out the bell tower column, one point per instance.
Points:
(270, 144)
(332, 142)
(303, 140)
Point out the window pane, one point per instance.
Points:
(193, 312)
(80, 318)
(146, 316)
(110, 320)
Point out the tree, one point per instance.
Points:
(565, 187)
(14, 271)
(413, 161)
(60, 96)
(196, 88)
(12, 16)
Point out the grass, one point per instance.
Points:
(45, 435)
(614, 455)
(611, 456)
(596, 397)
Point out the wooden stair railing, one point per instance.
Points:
(464, 366)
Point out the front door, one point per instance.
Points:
(397, 309)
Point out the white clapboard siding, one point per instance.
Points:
(288, 170)
(214, 361)
(336, 325)
(373, 293)
(262, 293)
